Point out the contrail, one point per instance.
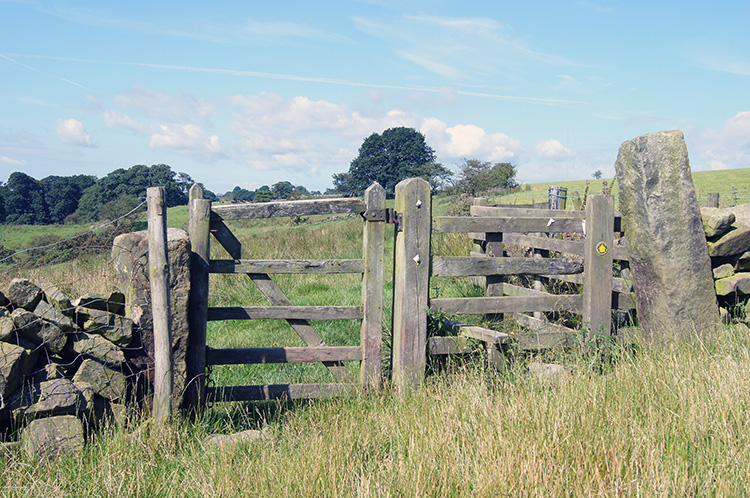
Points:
(308, 79)
(40, 72)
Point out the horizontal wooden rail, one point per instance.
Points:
(439, 345)
(467, 224)
(279, 391)
(618, 284)
(491, 211)
(286, 208)
(288, 266)
(285, 313)
(457, 266)
(494, 305)
(485, 335)
(244, 356)
(526, 213)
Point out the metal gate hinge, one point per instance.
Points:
(387, 215)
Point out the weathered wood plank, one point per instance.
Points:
(200, 240)
(543, 334)
(160, 304)
(287, 208)
(458, 266)
(411, 283)
(517, 290)
(285, 313)
(546, 243)
(288, 266)
(247, 356)
(510, 304)
(499, 211)
(484, 334)
(439, 345)
(279, 391)
(463, 224)
(597, 285)
(373, 253)
(618, 284)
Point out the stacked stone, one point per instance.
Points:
(728, 235)
(63, 367)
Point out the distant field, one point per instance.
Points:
(732, 185)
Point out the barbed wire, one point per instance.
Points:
(58, 242)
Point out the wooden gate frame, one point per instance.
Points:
(207, 220)
(415, 265)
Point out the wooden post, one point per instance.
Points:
(372, 290)
(557, 197)
(160, 304)
(712, 200)
(410, 283)
(597, 285)
(200, 239)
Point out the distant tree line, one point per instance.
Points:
(25, 200)
(278, 191)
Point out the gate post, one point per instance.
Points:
(200, 239)
(597, 285)
(372, 290)
(411, 281)
(160, 304)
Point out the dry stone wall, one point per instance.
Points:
(64, 366)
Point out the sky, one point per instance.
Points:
(251, 93)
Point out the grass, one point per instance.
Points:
(660, 420)
(670, 420)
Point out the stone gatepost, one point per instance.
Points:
(130, 259)
(665, 238)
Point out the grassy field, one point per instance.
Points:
(733, 186)
(659, 420)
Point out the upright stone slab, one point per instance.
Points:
(666, 242)
(130, 256)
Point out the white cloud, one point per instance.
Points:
(165, 106)
(115, 119)
(553, 150)
(189, 139)
(452, 144)
(10, 160)
(72, 132)
(725, 148)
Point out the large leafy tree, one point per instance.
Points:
(24, 201)
(397, 154)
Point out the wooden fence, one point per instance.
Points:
(586, 261)
(207, 221)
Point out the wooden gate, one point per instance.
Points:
(492, 227)
(207, 220)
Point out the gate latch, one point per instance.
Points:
(387, 215)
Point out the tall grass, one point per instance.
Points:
(667, 420)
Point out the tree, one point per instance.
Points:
(134, 181)
(62, 194)
(597, 174)
(24, 201)
(481, 176)
(343, 184)
(282, 190)
(389, 158)
(242, 195)
(263, 196)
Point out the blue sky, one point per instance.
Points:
(251, 93)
